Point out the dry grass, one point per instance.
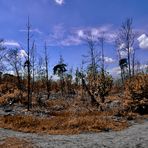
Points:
(13, 142)
(3, 100)
(136, 87)
(57, 102)
(62, 124)
(72, 116)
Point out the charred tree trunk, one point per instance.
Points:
(28, 66)
(47, 75)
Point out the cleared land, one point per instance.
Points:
(132, 137)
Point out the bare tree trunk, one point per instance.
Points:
(133, 63)
(47, 73)
(102, 68)
(28, 65)
(129, 63)
(19, 83)
(33, 65)
(91, 45)
(125, 42)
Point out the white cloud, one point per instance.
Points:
(58, 32)
(80, 33)
(62, 37)
(123, 54)
(105, 28)
(94, 31)
(36, 30)
(124, 51)
(59, 2)
(108, 60)
(57, 35)
(122, 46)
(141, 67)
(11, 43)
(115, 71)
(75, 36)
(110, 36)
(22, 53)
(143, 41)
(71, 40)
(97, 32)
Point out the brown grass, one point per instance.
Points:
(62, 124)
(3, 100)
(57, 102)
(13, 142)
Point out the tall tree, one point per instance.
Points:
(125, 41)
(14, 61)
(92, 59)
(2, 55)
(102, 89)
(47, 71)
(101, 42)
(92, 56)
(33, 64)
(99, 82)
(28, 64)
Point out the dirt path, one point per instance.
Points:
(133, 137)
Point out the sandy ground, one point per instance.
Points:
(135, 136)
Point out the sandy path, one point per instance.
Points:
(133, 137)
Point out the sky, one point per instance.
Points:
(61, 23)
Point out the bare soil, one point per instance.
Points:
(132, 137)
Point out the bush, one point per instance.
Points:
(99, 86)
(137, 87)
(105, 83)
(136, 91)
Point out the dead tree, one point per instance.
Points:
(15, 64)
(47, 72)
(28, 64)
(99, 81)
(92, 60)
(125, 42)
(33, 65)
(92, 57)
(102, 40)
(2, 55)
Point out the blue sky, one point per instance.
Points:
(60, 22)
